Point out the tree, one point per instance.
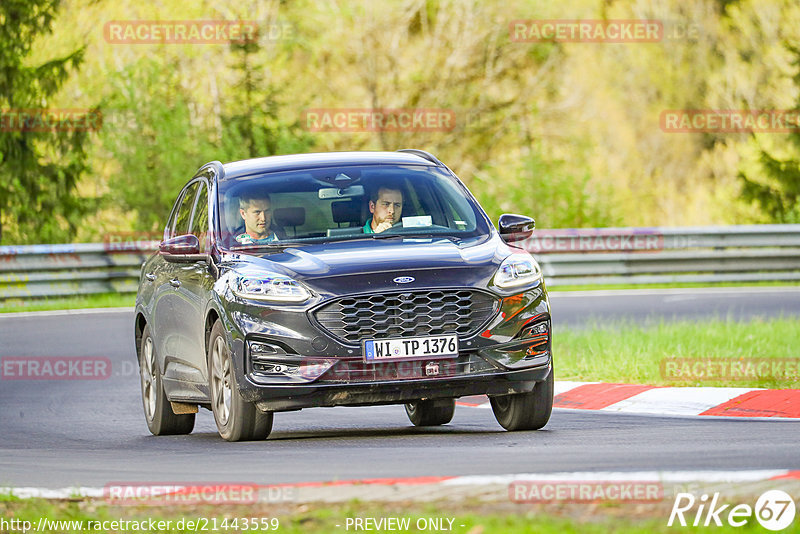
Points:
(40, 163)
(777, 191)
(151, 137)
(251, 126)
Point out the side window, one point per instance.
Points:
(185, 211)
(173, 215)
(200, 218)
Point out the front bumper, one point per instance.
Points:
(295, 397)
(504, 357)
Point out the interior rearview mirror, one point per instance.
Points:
(341, 192)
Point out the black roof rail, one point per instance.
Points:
(421, 153)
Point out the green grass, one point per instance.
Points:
(468, 517)
(633, 353)
(674, 285)
(102, 300)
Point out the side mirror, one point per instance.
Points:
(182, 248)
(515, 227)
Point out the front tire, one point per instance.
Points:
(431, 412)
(161, 420)
(525, 411)
(237, 419)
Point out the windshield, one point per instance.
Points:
(343, 203)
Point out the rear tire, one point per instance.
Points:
(431, 412)
(237, 419)
(525, 411)
(161, 420)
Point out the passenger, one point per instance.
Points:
(256, 210)
(386, 207)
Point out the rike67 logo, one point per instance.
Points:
(774, 510)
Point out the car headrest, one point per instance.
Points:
(346, 211)
(290, 216)
(233, 219)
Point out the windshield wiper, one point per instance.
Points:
(268, 246)
(417, 235)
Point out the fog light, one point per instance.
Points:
(275, 368)
(537, 329)
(260, 350)
(306, 370)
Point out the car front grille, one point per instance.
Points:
(407, 314)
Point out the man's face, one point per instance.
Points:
(387, 208)
(257, 218)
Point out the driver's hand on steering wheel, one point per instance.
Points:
(385, 225)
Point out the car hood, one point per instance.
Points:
(373, 263)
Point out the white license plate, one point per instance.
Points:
(403, 348)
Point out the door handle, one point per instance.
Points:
(175, 283)
(150, 277)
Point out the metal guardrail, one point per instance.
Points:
(607, 256)
(601, 256)
(74, 269)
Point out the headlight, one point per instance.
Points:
(517, 270)
(274, 287)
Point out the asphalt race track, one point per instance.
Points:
(57, 433)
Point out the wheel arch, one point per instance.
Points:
(212, 316)
(139, 323)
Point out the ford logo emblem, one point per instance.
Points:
(403, 280)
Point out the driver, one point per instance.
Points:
(256, 210)
(386, 207)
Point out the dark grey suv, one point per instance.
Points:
(353, 278)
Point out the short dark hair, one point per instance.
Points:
(392, 185)
(247, 196)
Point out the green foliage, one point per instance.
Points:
(154, 141)
(777, 189)
(779, 198)
(251, 117)
(39, 168)
(157, 138)
(545, 190)
(566, 132)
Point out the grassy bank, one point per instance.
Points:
(103, 300)
(673, 285)
(654, 354)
